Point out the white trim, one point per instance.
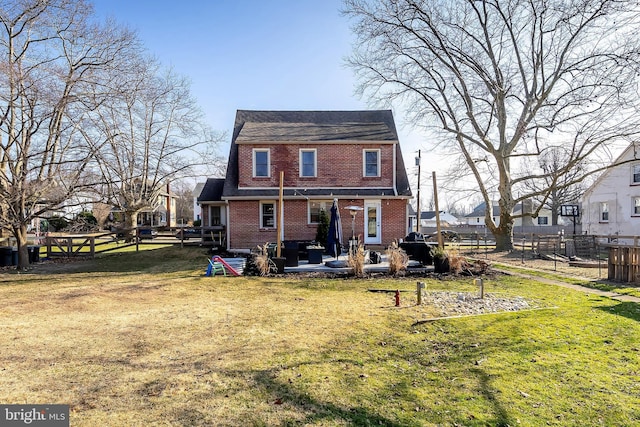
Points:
(377, 205)
(364, 162)
(253, 160)
(632, 174)
(260, 213)
(301, 151)
(356, 190)
(239, 141)
(327, 208)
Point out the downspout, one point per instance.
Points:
(228, 226)
(395, 187)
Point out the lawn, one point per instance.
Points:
(142, 339)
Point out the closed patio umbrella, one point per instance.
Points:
(334, 238)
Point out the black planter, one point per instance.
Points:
(279, 262)
(315, 255)
(441, 264)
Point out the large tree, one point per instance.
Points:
(505, 81)
(149, 133)
(51, 55)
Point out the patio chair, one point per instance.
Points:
(214, 268)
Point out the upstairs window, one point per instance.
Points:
(371, 162)
(543, 220)
(635, 174)
(308, 164)
(261, 163)
(604, 212)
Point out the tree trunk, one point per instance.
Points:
(23, 251)
(503, 233)
(130, 224)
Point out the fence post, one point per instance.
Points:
(47, 240)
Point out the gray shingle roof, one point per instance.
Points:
(212, 190)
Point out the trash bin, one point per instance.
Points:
(14, 256)
(5, 255)
(34, 253)
(291, 253)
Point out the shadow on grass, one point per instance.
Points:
(627, 309)
(318, 411)
(165, 259)
(501, 415)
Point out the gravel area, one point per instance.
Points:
(466, 304)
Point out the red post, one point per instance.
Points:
(397, 298)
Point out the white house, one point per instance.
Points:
(612, 204)
(428, 219)
(476, 218)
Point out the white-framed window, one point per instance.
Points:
(216, 215)
(635, 174)
(604, 212)
(636, 206)
(543, 220)
(267, 215)
(308, 163)
(371, 163)
(315, 207)
(261, 163)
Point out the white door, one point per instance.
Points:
(372, 222)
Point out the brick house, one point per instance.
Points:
(353, 156)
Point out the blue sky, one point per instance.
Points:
(251, 54)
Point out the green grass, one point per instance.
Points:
(145, 339)
(619, 288)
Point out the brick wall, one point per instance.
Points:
(245, 233)
(332, 168)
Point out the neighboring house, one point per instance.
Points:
(477, 216)
(163, 212)
(428, 219)
(352, 156)
(612, 204)
(197, 209)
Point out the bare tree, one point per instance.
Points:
(52, 53)
(555, 188)
(149, 133)
(506, 80)
(184, 201)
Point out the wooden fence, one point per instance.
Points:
(77, 245)
(624, 264)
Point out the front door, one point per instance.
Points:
(372, 222)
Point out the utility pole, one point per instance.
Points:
(418, 163)
(435, 196)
